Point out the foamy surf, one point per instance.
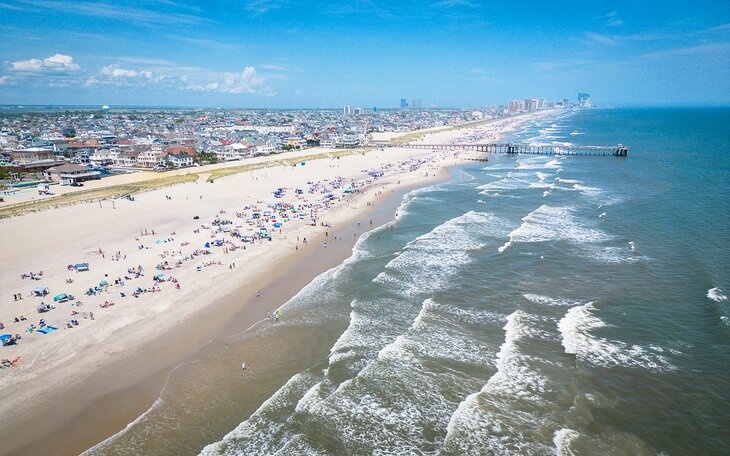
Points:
(578, 328)
(716, 295)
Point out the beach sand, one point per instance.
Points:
(64, 380)
(74, 387)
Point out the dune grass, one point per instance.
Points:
(97, 194)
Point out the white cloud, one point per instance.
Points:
(612, 19)
(246, 81)
(57, 63)
(91, 81)
(262, 6)
(723, 49)
(114, 71)
(3, 80)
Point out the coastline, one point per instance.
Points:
(97, 392)
(112, 395)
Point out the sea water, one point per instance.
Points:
(528, 305)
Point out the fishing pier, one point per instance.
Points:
(512, 148)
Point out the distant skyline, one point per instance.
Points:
(363, 53)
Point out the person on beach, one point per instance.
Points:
(244, 367)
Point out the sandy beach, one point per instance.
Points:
(116, 241)
(167, 270)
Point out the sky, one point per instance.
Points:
(365, 53)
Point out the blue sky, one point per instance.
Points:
(295, 53)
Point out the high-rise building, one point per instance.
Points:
(347, 110)
(358, 111)
(531, 104)
(516, 106)
(415, 103)
(584, 100)
(403, 103)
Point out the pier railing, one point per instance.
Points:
(512, 148)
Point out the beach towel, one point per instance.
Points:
(47, 329)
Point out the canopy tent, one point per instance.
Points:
(81, 267)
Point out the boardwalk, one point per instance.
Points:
(510, 148)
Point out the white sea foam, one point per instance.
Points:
(716, 295)
(504, 247)
(428, 262)
(567, 181)
(587, 190)
(563, 438)
(613, 255)
(255, 436)
(486, 422)
(548, 223)
(577, 328)
(548, 301)
(542, 176)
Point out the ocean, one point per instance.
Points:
(528, 305)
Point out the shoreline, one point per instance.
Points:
(103, 389)
(77, 411)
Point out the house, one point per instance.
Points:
(31, 154)
(296, 142)
(180, 160)
(151, 158)
(178, 149)
(103, 157)
(69, 173)
(126, 158)
(266, 148)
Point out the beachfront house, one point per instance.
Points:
(327, 142)
(70, 173)
(103, 157)
(265, 148)
(126, 158)
(347, 141)
(151, 158)
(32, 154)
(180, 160)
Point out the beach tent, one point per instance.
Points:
(63, 297)
(40, 291)
(347, 189)
(277, 225)
(81, 267)
(5, 338)
(103, 284)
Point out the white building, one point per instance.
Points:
(103, 157)
(151, 158)
(180, 160)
